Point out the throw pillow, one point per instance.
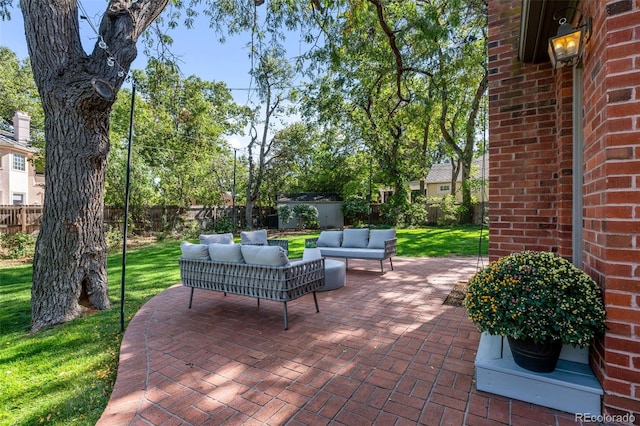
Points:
(357, 238)
(216, 238)
(226, 252)
(194, 251)
(379, 236)
(265, 255)
(329, 239)
(256, 238)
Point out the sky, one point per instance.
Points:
(198, 49)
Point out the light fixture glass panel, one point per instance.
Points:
(565, 47)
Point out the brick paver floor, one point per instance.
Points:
(383, 350)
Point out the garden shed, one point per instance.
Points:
(328, 205)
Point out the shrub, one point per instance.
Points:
(449, 210)
(113, 237)
(285, 213)
(18, 245)
(223, 225)
(417, 214)
(307, 216)
(353, 208)
(395, 210)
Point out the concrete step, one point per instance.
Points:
(572, 387)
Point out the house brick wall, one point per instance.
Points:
(612, 193)
(564, 163)
(523, 169)
(530, 144)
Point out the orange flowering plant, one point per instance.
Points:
(536, 295)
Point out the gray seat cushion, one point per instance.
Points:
(356, 253)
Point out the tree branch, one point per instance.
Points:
(394, 48)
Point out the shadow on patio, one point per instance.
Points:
(383, 350)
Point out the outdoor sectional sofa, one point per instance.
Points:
(254, 269)
(377, 244)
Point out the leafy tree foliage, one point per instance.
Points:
(18, 91)
(313, 158)
(273, 77)
(409, 76)
(180, 135)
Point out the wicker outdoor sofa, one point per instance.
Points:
(260, 271)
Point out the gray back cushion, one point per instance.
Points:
(357, 238)
(265, 255)
(226, 252)
(216, 238)
(379, 236)
(329, 239)
(194, 251)
(256, 238)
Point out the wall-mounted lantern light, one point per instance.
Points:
(566, 47)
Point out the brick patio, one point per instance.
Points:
(383, 350)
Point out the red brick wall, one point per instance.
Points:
(522, 142)
(564, 163)
(530, 168)
(612, 193)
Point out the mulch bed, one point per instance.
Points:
(456, 297)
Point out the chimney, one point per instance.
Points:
(21, 125)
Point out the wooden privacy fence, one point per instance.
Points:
(27, 219)
(15, 219)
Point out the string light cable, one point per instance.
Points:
(111, 60)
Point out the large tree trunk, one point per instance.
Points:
(77, 91)
(69, 266)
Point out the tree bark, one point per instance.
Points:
(77, 92)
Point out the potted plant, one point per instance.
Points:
(539, 301)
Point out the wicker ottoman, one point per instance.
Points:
(335, 274)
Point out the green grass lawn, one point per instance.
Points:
(64, 375)
(432, 242)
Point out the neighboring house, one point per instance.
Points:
(19, 184)
(437, 183)
(564, 153)
(328, 205)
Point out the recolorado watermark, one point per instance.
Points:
(604, 418)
